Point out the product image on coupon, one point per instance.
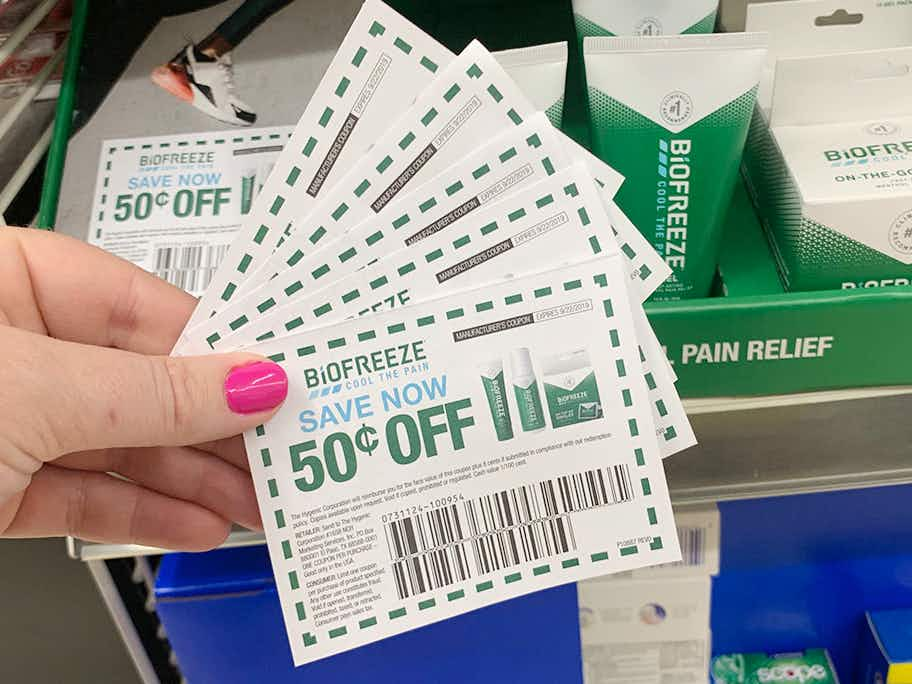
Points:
(570, 388)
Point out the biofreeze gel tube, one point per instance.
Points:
(381, 65)
(643, 17)
(540, 72)
(492, 378)
(677, 137)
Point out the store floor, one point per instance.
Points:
(53, 625)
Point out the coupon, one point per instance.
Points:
(381, 65)
(451, 454)
(558, 220)
(520, 157)
(173, 204)
(471, 99)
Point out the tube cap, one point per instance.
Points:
(521, 363)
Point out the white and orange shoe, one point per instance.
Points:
(205, 82)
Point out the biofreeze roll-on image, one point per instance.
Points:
(387, 430)
(677, 137)
(381, 65)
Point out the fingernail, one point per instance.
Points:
(256, 387)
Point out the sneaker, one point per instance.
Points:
(205, 82)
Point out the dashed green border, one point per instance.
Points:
(109, 150)
(357, 57)
(391, 275)
(367, 246)
(453, 593)
(395, 161)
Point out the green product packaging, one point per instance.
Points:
(811, 667)
(525, 389)
(570, 388)
(677, 136)
(492, 377)
(643, 17)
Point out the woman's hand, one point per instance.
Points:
(96, 420)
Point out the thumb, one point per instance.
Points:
(93, 397)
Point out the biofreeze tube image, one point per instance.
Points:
(677, 137)
(643, 17)
(492, 377)
(386, 420)
(381, 65)
(540, 72)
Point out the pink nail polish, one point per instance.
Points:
(256, 387)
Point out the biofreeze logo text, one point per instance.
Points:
(867, 151)
(673, 192)
(792, 673)
(364, 364)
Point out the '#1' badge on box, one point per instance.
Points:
(404, 481)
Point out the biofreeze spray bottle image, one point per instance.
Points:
(492, 377)
(525, 389)
(672, 114)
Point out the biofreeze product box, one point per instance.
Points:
(838, 201)
(804, 29)
(400, 487)
(812, 666)
(885, 655)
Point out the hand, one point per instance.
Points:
(96, 419)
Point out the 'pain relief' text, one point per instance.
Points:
(773, 349)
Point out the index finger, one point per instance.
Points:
(81, 293)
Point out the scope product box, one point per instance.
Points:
(838, 196)
(885, 655)
(811, 667)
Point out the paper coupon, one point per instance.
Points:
(523, 155)
(559, 220)
(404, 481)
(381, 65)
(470, 100)
(173, 204)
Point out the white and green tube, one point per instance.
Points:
(540, 72)
(492, 378)
(643, 17)
(525, 390)
(671, 114)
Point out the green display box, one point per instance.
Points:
(756, 339)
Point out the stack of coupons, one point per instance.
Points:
(478, 407)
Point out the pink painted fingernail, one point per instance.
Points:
(256, 387)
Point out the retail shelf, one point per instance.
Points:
(749, 447)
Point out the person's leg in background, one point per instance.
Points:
(203, 74)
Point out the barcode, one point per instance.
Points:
(504, 529)
(523, 543)
(190, 267)
(423, 532)
(693, 546)
(564, 494)
(432, 570)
